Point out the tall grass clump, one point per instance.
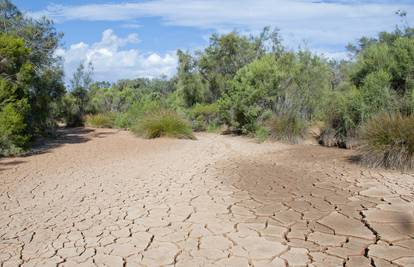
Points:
(101, 120)
(286, 127)
(388, 141)
(163, 123)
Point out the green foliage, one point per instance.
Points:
(45, 98)
(228, 53)
(82, 77)
(204, 116)
(383, 81)
(376, 93)
(388, 141)
(163, 123)
(43, 73)
(101, 120)
(253, 90)
(345, 112)
(13, 136)
(261, 134)
(251, 84)
(146, 105)
(190, 86)
(70, 111)
(395, 56)
(75, 103)
(289, 84)
(122, 121)
(16, 75)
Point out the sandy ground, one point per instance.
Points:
(106, 198)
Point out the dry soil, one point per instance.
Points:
(107, 198)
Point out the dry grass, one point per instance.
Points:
(101, 120)
(287, 128)
(388, 141)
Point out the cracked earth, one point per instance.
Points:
(106, 198)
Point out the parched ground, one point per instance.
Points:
(106, 198)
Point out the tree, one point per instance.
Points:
(77, 101)
(254, 90)
(190, 86)
(228, 53)
(47, 87)
(15, 77)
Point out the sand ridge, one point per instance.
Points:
(107, 198)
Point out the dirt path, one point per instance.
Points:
(106, 198)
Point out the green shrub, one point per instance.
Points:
(290, 84)
(345, 113)
(261, 134)
(351, 107)
(122, 121)
(287, 127)
(376, 94)
(163, 123)
(204, 116)
(388, 141)
(214, 128)
(13, 138)
(71, 111)
(253, 90)
(137, 111)
(101, 120)
(16, 77)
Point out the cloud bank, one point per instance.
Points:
(111, 61)
(321, 23)
(324, 26)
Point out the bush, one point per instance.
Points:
(70, 111)
(163, 123)
(102, 120)
(287, 127)
(388, 141)
(261, 134)
(122, 121)
(290, 84)
(13, 138)
(136, 112)
(345, 113)
(253, 91)
(204, 116)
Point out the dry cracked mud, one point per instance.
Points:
(106, 198)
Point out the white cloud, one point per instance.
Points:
(112, 61)
(322, 23)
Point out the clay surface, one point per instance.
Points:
(107, 198)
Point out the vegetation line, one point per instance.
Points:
(251, 85)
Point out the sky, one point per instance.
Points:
(127, 39)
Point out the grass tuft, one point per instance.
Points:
(388, 141)
(163, 123)
(288, 128)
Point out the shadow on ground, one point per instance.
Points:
(64, 136)
(10, 164)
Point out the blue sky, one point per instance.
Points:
(138, 38)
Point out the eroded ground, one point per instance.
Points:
(106, 198)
